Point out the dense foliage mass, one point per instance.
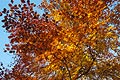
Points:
(73, 39)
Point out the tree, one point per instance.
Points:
(73, 39)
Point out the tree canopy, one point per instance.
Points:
(71, 40)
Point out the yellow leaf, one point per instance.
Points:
(109, 28)
(100, 2)
(59, 46)
(89, 14)
(57, 16)
(30, 42)
(93, 38)
(109, 33)
(50, 56)
(65, 39)
(70, 47)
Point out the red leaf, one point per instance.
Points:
(7, 45)
(10, 36)
(10, 5)
(23, 1)
(8, 49)
(0, 13)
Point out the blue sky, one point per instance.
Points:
(6, 58)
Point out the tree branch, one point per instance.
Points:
(67, 68)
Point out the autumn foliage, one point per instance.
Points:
(72, 39)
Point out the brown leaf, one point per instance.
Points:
(12, 1)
